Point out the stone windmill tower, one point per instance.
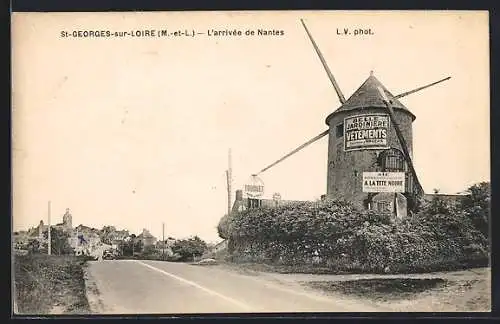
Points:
(370, 135)
(361, 139)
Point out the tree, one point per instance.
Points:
(132, 245)
(125, 248)
(477, 206)
(437, 205)
(105, 234)
(33, 246)
(149, 251)
(59, 241)
(138, 246)
(189, 248)
(223, 227)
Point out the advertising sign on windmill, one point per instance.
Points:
(366, 132)
(383, 182)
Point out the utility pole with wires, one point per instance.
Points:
(49, 243)
(229, 175)
(163, 238)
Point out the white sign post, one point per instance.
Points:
(254, 188)
(383, 182)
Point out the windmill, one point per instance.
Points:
(349, 151)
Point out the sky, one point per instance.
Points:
(135, 132)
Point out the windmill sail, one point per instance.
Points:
(312, 140)
(402, 141)
(327, 69)
(337, 90)
(404, 94)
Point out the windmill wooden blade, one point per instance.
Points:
(402, 141)
(312, 140)
(404, 94)
(327, 69)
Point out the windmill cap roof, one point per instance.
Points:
(368, 96)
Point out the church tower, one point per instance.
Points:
(68, 220)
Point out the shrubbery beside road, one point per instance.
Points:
(342, 238)
(45, 282)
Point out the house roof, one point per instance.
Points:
(368, 96)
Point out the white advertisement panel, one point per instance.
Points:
(368, 131)
(383, 182)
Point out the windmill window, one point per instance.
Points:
(339, 130)
(392, 160)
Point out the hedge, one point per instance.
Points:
(337, 235)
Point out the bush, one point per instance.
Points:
(189, 249)
(45, 281)
(131, 247)
(223, 227)
(173, 258)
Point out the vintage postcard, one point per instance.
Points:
(248, 162)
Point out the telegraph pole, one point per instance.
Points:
(229, 183)
(163, 235)
(49, 243)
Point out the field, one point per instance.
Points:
(50, 284)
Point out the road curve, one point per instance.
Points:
(155, 287)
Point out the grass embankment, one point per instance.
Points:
(285, 269)
(346, 268)
(415, 294)
(50, 284)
